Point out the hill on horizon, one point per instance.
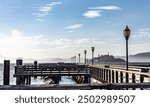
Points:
(139, 57)
(144, 54)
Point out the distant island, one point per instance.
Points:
(107, 59)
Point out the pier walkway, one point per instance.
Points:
(110, 76)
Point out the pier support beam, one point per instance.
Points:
(28, 80)
(87, 79)
(55, 79)
(6, 77)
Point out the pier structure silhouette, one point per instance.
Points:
(110, 76)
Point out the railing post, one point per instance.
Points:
(113, 76)
(142, 76)
(109, 71)
(127, 78)
(133, 79)
(102, 70)
(121, 77)
(116, 76)
(141, 80)
(100, 73)
(107, 75)
(6, 77)
(104, 74)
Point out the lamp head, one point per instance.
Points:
(93, 48)
(126, 32)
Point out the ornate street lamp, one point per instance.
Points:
(85, 51)
(126, 33)
(92, 48)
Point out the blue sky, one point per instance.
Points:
(64, 28)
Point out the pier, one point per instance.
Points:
(111, 77)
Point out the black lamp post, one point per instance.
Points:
(92, 48)
(85, 51)
(79, 57)
(126, 33)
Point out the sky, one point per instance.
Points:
(64, 28)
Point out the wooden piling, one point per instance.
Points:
(35, 65)
(6, 76)
(19, 62)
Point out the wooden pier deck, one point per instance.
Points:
(111, 77)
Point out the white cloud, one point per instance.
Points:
(92, 14)
(75, 26)
(70, 31)
(105, 8)
(144, 30)
(142, 34)
(39, 20)
(16, 32)
(96, 11)
(43, 11)
(48, 7)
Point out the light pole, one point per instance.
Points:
(75, 58)
(85, 51)
(79, 57)
(71, 59)
(92, 48)
(126, 33)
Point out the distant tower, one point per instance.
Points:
(108, 53)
